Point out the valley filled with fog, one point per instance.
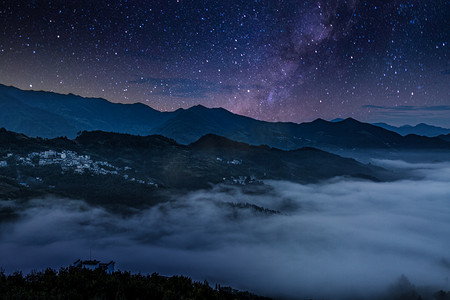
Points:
(339, 238)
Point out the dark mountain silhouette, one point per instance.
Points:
(351, 134)
(50, 115)
(189, 125)
(47, 114)
(419, 129)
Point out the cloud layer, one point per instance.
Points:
(342, 237)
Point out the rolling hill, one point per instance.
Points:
(134, 170)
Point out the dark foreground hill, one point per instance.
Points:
(108, 168)
(75, 283)
(445, 137)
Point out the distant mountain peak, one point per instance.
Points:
(198, 106)
(351, 120)
(320, 121)
(202, 108)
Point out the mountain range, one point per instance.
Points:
(49, 115)
(419, 129)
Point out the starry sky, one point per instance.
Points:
(275, 60)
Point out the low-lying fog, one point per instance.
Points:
(342, 237)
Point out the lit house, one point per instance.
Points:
(95, 264)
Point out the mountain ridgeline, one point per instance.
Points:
(50, 115)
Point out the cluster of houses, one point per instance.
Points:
(70, 160)
(230, 162)
(242, 180)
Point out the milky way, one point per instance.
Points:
(272, 60)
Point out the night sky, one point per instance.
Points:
(270, 60)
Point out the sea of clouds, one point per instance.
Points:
(343, 238)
